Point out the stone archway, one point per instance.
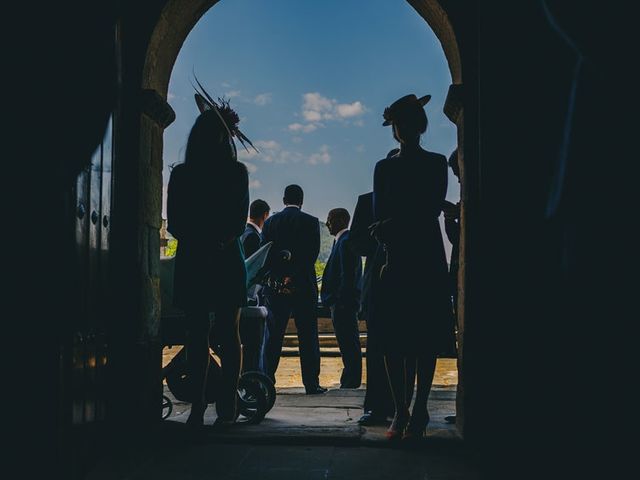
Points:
(175, 22)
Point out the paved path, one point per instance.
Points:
(309, 437)
(321, 419)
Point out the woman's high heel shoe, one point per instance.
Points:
(396, 428)
(416, 428)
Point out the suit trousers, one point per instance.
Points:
(345, 326)
(303, 308)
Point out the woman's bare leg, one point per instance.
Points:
(426, 367)
(396, 371)
(198, 362)
(410, 375)
(228, 337)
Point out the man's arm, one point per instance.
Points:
(361, 241)
(347, 291)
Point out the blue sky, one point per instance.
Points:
(310, 81)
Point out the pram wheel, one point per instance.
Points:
(252, 400)
(265, 384)
(167, 407)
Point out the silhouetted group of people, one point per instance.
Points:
(404, 294)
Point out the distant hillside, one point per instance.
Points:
(326, 242)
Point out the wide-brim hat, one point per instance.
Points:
(406, 106)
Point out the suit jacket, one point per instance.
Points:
(251, 240)
(342, 276)
(364, 244)
(298, 232)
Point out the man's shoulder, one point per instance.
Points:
(250, 230)
(307, 217)
(365, 197)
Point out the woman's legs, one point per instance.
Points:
(396, 371)
(198, 361)
(426, 367)
(228, 337)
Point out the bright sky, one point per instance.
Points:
(310, 81)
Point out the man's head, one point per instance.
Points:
(259, 212)
(293, 195)
(453, 163)
(337, 220)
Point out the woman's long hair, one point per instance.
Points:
(209, 144)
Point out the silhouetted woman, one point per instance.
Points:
(412, 291)
(207, 205)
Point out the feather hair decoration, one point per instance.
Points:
(229, 117)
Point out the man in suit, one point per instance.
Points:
(299, 233)
(253, 332)
(378, 402)
(252, 236)
(341, 288)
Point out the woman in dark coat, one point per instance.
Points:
(208, 199)
(412, 291)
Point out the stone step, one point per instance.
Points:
(324, 326)
(326, 340)
(324, 352)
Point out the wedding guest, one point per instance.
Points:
(210, 275)
(299, 233)
(252, 237)
(409, 186)
(253, 331)
(341, 288)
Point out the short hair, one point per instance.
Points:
(293, 195)
(341, 214)
(258, 208)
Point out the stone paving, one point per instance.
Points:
(310, 437)
(330, 418)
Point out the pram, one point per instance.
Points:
(256, 392)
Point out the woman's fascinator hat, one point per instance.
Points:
(227, 115)
(404, 107)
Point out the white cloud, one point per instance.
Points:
(312, 116)
(315, 101)
(296, 139)
(321, 157)
(360, 148)
(346, 110)
(170, 96)
(263, 99)
(232, 94)
(251, 168)
(317, 108)
(255, 184)
(298, 127)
